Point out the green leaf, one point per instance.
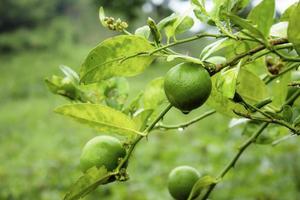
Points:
(211, 48)
(263, 16)
(245, 24)
(217, 60)
(200, 10)
(87, 183)
(278, 90)
(154, 94)
(249, 86)
(287, 113)
(227, 48)
(287, 13)
(116, 56)
(220, 103)
(294, 28)
(116, 92)
(102, 16)
(101, 118)
(166, 21)
(141, 118)
(65, 87)
(143, 31)
(70, 73)
(176, 24)
(185, 25)
(226, 83)
(202, 183)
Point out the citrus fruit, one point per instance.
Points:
(102, 151)
(181, 181)
(187, 86)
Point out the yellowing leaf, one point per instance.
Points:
(116, 56)
(101, 118)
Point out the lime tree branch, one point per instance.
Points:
(290, 67)
(252, 139)
(184, 125)
(234, 160)
(139, 137)
(251, 52)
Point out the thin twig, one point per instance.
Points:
(234, 160)
(139, 137)
(184, 125)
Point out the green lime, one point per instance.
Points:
(181, 181)
(102, 151)
(187, 86)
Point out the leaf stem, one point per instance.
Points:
(234, 160)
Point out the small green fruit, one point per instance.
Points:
(187, 86)
(102, 151)
(181, 181)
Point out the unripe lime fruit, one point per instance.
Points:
(187, 86)
(181, 181)
(102, 151)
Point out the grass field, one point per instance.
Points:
(40, 150)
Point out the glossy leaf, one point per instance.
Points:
(211, 48)
(287, 13)
(226, 83)
(108, 58)
(278, 90)
(179, 24)
(245, 24)
(294, 28)
(249, 86)
(87, 183)
(101, 118)
(262, 15)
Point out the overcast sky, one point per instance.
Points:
(183, 6)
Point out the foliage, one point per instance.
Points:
(240, 88)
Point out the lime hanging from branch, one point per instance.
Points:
(187, 86)
(102, 151)
(181, 181)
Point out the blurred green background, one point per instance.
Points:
(40, 150)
